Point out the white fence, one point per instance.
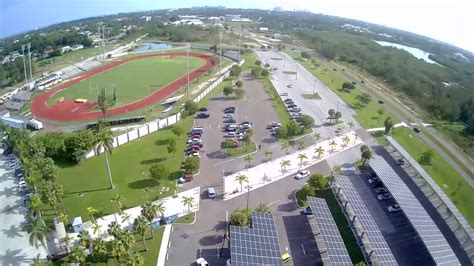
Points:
(158, 124)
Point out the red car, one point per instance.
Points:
(193, 148)
(195, 136)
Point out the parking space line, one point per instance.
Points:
(224, 162)
(271, 203)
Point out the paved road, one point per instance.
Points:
(15, 248)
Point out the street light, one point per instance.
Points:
(248, 195)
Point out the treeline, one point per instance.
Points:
(12, 72)
(424, 83)
(183, 33)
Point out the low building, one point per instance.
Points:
(48, 80)
(263, 29)
(196, 22)
(66, 49)
(77, 47)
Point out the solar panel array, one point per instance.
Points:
(420, 219)
(382, 251)
(257, 245)
(454, 210)
(335, 249)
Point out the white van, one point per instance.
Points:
(211, 193)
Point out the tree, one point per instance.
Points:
(338, 115)
(248, 158)
(306, 121)
(332, 144)
(241, 179)
(239, 217)
(239, 93)
(262, 207)
(64, 218)
(133, 258)
(149, 210)
(102, 102)
(177, 130)
(235, 71)
(265, 73)
(105, 140)
(302, 157)
(188, 202)
(117, 250)
(35, 204)
(117, 200)
(301, 145)
(346, 140)
(268, 155)
(247, 138)
(239, 83)
(99, 248)
(319, 151)
(158, 172)
(191, 164)
(141, 227)
(351, 125)
(160, 208)
(285, 145)
(317, 136)
(364, 98)
(227, 91)
(293, 129)
(307, 190)
(78, 144)
(258, 62)
(77, 255)
(331, 113)
(114, 229)
(305, 55)
(282, 133)
(91, 212)
(256, 72)
(171, 147)
(38, 231)
(347, 86)
(317, 181)
(284, 164)
(127, 239)
(366, 154)
(190, 108)
(380, 111)
(426, 157)
(388, 123)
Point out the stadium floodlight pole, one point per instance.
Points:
(296, 71)
(187, 55)
(24, 63)
(220, 53)
(240, 34)
(29, 59)
(100, 36)
(103, 42)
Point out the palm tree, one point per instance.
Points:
(248, 158)
(38, 232)
(340, 129)
(355, 137)
(99, 248)
(241, 179)
(188, 201)
(141, 227)
(149, 211)
(105, 140)
(33, 180)
(332, 144)
(117, 201)
(284, 164)
(96, 228)
(51, 198)
(91, 211)
(268, 155)
(114, 229)
(317, 137)
(77, 255)
(301, 145)
(127, 239)
(133, 259)
(85, 238)
(301, 157)
(160, 209)
(319, 151)
(285, 146)
(64, 218)
(173, 186)
(35, 203)
(351, 125)
(118, 250)
(125, 217)
(346, 140)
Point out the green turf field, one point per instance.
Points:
(133, 81)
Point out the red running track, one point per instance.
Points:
(68, 110)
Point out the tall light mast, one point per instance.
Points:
(29, 59)
(240, 33)
(220, 53)
(187, 55)
(24, 63)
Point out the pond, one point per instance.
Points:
(420, 54)
(151, 46)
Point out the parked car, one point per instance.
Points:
(394, 208)
(230, 135)
(195, 136)
(193, 153)
(229, 108)
(295, 109)
(193, 148)
(400, 162)
(211, 193)
(291, 105)
(306, 211)
(230, 111)
(381, 102)
(273, 124)
(202, 109)
(376, 184)
(289, 86)
(202, 262)
(202, 115)
(230, 121)
(381, 190)
(228, 116)
(284, 94)
(373, 179)
(302, 174)
(417, 130)
(185, 178)
(288, 100)
(384, 196)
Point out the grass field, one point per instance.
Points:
(341, 221)
(447, 178)
(242, 150)
(133, 81)
(367, 116)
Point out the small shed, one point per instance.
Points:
(77, 225)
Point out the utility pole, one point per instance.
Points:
(187, 87)
(29, 58)
(220, 53)
(24, 63)
(103, 42)
(100, 44)
(240, 33)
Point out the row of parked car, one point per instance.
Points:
(382, 192)
(292, 108)
(23, 188)
(273, 128)
(231, 128)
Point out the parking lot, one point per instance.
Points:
(14, 239)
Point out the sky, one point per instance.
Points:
(451, 21)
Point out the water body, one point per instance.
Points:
(151, 46)
(420, 54)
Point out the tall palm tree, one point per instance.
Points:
(355, 137)
(351, 125)
(99, 248)
(77, 255)
(118, 250)
(117, 201)
(141, 227)
(248, 158)
(149, 211)
(85, 238)
(332, 144)
(105, 140)
(173, 185)
(125, 217)
(317, 136)
(51, 198)
(285, 146)
(64, 218)
(188, 201)
(91, 211)
(114, 229)
(268, 155)
(319, 151)
(38, 232)
(58, 192)
(33, 180)
(302, 157)
(241, 179)
(133, 258)
(284, 164)
(301, 144)
(160, 209)
(346, 140)
(127, 239)
(35, 203)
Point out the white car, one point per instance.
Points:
(228, 116)
(394, 208)
(302, 174)
(201, 262)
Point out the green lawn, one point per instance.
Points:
(448, 179)
(133, 80)
(129, 166)
(367, 116)
(341, 221)
(242, 150)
